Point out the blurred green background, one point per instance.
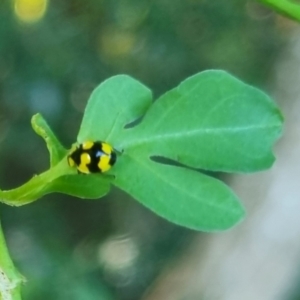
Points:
(52, 54)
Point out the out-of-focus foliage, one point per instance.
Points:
(112, 248)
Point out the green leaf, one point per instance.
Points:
(93, 186)
(183, 196)
(288, 8)
(56, 150)
(211, 121)
(115, 103)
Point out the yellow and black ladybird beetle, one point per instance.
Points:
(92, 157)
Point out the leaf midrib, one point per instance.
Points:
(199, 131)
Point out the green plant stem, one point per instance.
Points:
(10, 279)
(287, 7)
(35, 187)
